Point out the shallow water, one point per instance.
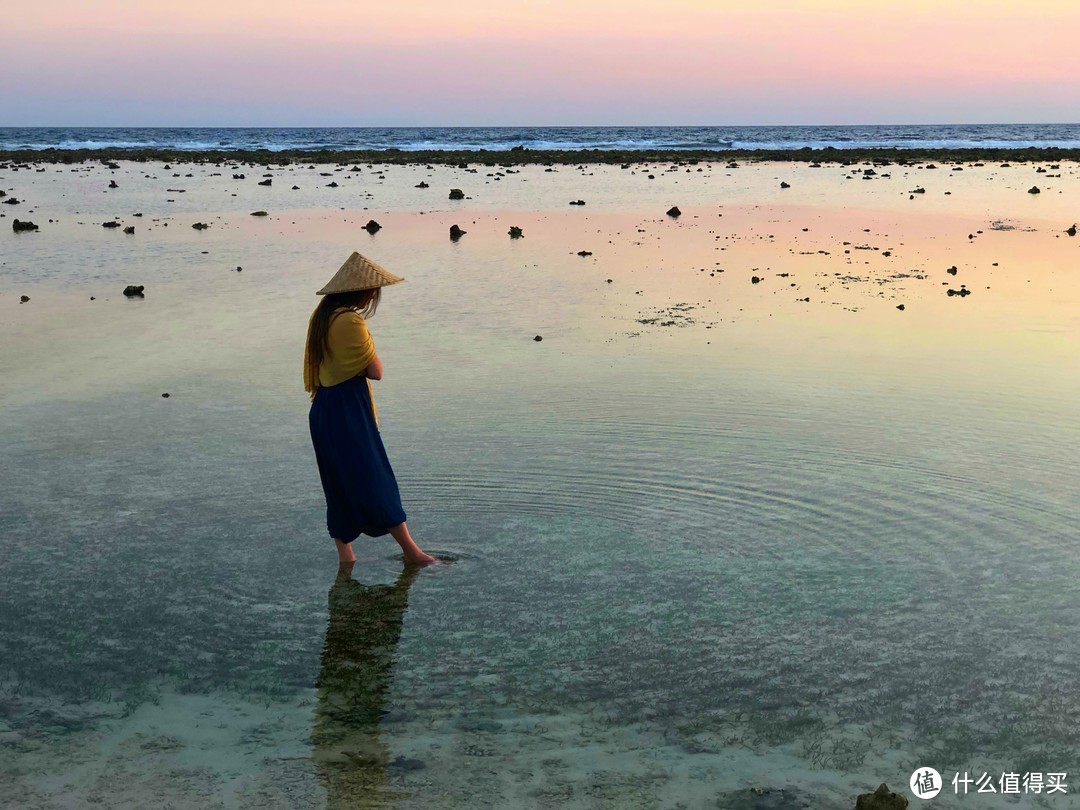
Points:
(806, 549)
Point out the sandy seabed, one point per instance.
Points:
(825, 381)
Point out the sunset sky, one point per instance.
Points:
(535, 62)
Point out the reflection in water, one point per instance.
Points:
(357, 662)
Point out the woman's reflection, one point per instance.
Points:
(357, 662)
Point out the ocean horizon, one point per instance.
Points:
(566, 138)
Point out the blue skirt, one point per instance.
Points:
(361, 492)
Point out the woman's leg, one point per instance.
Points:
(413, 554)
(344, 552)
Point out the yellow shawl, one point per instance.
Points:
(351, 351)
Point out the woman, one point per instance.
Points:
(339, 363)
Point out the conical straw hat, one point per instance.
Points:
(359, 273)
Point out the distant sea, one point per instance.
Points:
(1000, 136)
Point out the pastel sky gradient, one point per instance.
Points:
(535, 62)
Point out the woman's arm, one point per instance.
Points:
(374, 370)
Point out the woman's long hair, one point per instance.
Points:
(364, 302)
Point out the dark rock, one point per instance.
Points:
(1071, 231)
(919, 190)
(422, 184)
(785, 185)
(951, 271)
(963, 291)
(11, 201)
(165, 395)
(131, 291)
(296, 188)
(110, 224)
(200, 226)
(584, 253)
(332, 184)
(674, 211)
(755, 280)
(239, 269)
(456, 233)
(881, 799)
(515, 232)
(266, 182)
(405, 764)
(1034, 190)
(457, 194)
(900, 307)
(22, 227)
(23, 299)
(609, 281)
(112, 184)
(372, 226)
(112, 165)
(764, 798)
(129, 230)
(259, 213)
(538, 338)
(239, 177)
(577, 202)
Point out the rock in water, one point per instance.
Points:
(881, 799)
(584, 253)
(755, 280)
(22, 227)
(515, 232)
(674, 211)
(785, 185)
(1071, 231)
(456, 233)
(900, 307)
(129, 230)
(538, 338)
(266, 182)
(200, 226)
(372, 227)
(1034, 190)
(258, 213)
(110, 224)
(457, 194)
(112, 184)
(11, 201)
(23, 299)
(131, 291)
(421, 184)
(952, 270)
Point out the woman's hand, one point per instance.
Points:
(374, 369)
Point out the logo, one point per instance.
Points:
(925, 783)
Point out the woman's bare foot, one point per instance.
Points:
(413, 553)
(345, 553)
(419, 559)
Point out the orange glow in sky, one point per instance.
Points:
(534, 62)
